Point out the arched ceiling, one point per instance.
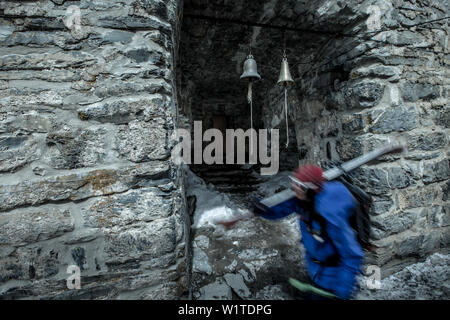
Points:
(215, 38)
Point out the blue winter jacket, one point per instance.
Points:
(334, 203)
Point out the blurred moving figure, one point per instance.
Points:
(334, 256)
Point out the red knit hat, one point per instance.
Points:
(310, 173)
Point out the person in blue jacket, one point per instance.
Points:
(334, 256)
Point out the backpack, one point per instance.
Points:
(359, 219)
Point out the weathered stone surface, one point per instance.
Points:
(109, 88)
(395, 119)
(18, 151)
(201, 262)
(143, 141)
(374, 180)
(417, 91)
(348, 148)
(381, 206)
(138, 243)
(123, 111)
(78, 186)
(37, 61)
(73, 105)
(352, 123)
(443, 118)
(439, 216)
(438, 171)
(426, 141)
(71, 149)
(23, 227)
(27, 122)
(215, 291)
(394, 223)
(236, 282)
(420, 197)
(409, 245)
(400, 177)
(430, 243)
(30, 263)
(134, 206)
(365, 94)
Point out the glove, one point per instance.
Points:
(257, 206)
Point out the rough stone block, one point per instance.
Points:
(143, 141)
(376, 71)
(348, 148)
(400, 177)
(420, 197)
(430, 243)
(148, 241)
(439, 216)
(76, 148)
(443, 117)
(107, 87)
(364, 94)
(215, 291)
(438, 171)
(352, 123)
(409, 245)
(142, 205)
(381, 206)
(445, 238)
(446, 191)
(426, 141)
(17, 151)
(30, 263)
(125, 110)
(420, 91)
(39, 61)
(372, 180)
(395, 119)
(394, 223)
(200, 262)
(80, 185)
(27, 122)
(23, 227)
(236, 282)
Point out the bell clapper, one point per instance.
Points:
(286, 112)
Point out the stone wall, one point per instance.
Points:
(365, 87)
(86, 176)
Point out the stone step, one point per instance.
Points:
(236, 189)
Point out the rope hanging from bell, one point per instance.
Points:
(285, 79)
(250, 73)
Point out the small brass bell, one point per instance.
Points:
(285, 79)
(250, 69)
(285, 75)
(250, 73)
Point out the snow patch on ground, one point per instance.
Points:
(211, 206)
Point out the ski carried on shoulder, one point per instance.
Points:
(336, 172)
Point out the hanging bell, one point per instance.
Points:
(285, 76)
(250, 69)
